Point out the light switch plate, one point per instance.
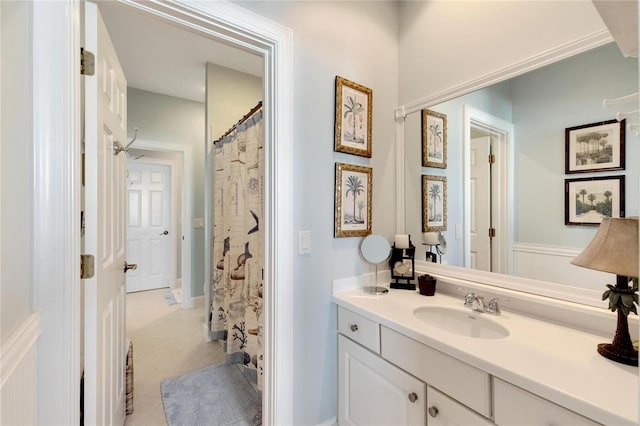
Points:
(304, 242)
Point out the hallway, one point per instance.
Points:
(167, 342)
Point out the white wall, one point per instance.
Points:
(19, 327)
(358, 41)
(16, 283)
(168, 119)
(445, 43)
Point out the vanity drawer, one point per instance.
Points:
(360, 329)
(460, 381)
(516, 406)
(444, 411)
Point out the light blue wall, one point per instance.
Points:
(547, 101)
(169, 119)
(358, 41)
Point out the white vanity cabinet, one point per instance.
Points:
(444, 411)
(515, 406)
(372, 391)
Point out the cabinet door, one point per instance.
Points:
(372, 391)
(444, 411)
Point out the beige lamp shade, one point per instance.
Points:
(613, 249)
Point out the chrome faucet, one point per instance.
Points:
(492, 307)
(474, 302)
(477, 304)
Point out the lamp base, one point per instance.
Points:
(623, 356)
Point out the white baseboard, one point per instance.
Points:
(17, 374)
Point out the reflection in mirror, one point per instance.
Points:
(375, 249)
(522, 122)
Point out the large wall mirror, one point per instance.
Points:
(522, 121)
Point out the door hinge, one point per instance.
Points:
(87, 266)
(492, 232)
(87, 62)
(492, 158)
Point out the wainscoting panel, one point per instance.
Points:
(17, 374)
(549, 263)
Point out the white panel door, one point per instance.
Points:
(105, 237)
(371, 391)
(480, 212)
(149, 233)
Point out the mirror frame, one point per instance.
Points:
(541, 288)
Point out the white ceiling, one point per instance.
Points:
(159, 57)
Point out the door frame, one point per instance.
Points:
(186, 203)
(57, 191)
(502, 139)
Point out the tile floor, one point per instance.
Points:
(167, 342)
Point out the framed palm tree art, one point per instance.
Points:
(353, 193)
(434, 203)
(595, 147)
(588, 200)
(434, 139)
(353, 124)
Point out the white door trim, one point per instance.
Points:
(56, 38)
(502, 177)
(56, 206)
(187, 207)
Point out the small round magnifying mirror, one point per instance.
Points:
(375, 249)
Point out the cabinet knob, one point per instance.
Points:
(433, 411)
(354, 327)
(413, 397)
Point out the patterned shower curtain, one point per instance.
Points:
(237, 263)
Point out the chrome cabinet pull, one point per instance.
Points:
(433, 411)
(354, 327)
(413, 397)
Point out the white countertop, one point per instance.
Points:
(558, 363)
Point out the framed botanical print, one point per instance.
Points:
(588, 200)
(434, 139)
(353, 194)
(434, 203)
(353, 123)
(595, 147)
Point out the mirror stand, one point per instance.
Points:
(375, 249)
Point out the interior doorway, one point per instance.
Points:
(487, 191)
(57, 43)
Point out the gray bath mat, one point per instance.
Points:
(217, 395)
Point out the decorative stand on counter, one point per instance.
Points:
(402, 263)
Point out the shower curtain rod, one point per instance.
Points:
(242, 120)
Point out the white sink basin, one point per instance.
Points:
(461, 321)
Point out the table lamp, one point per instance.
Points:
(614, 249)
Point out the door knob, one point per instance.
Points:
(128, 266)
(433, 411)
(413, 397)
(165, 232)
